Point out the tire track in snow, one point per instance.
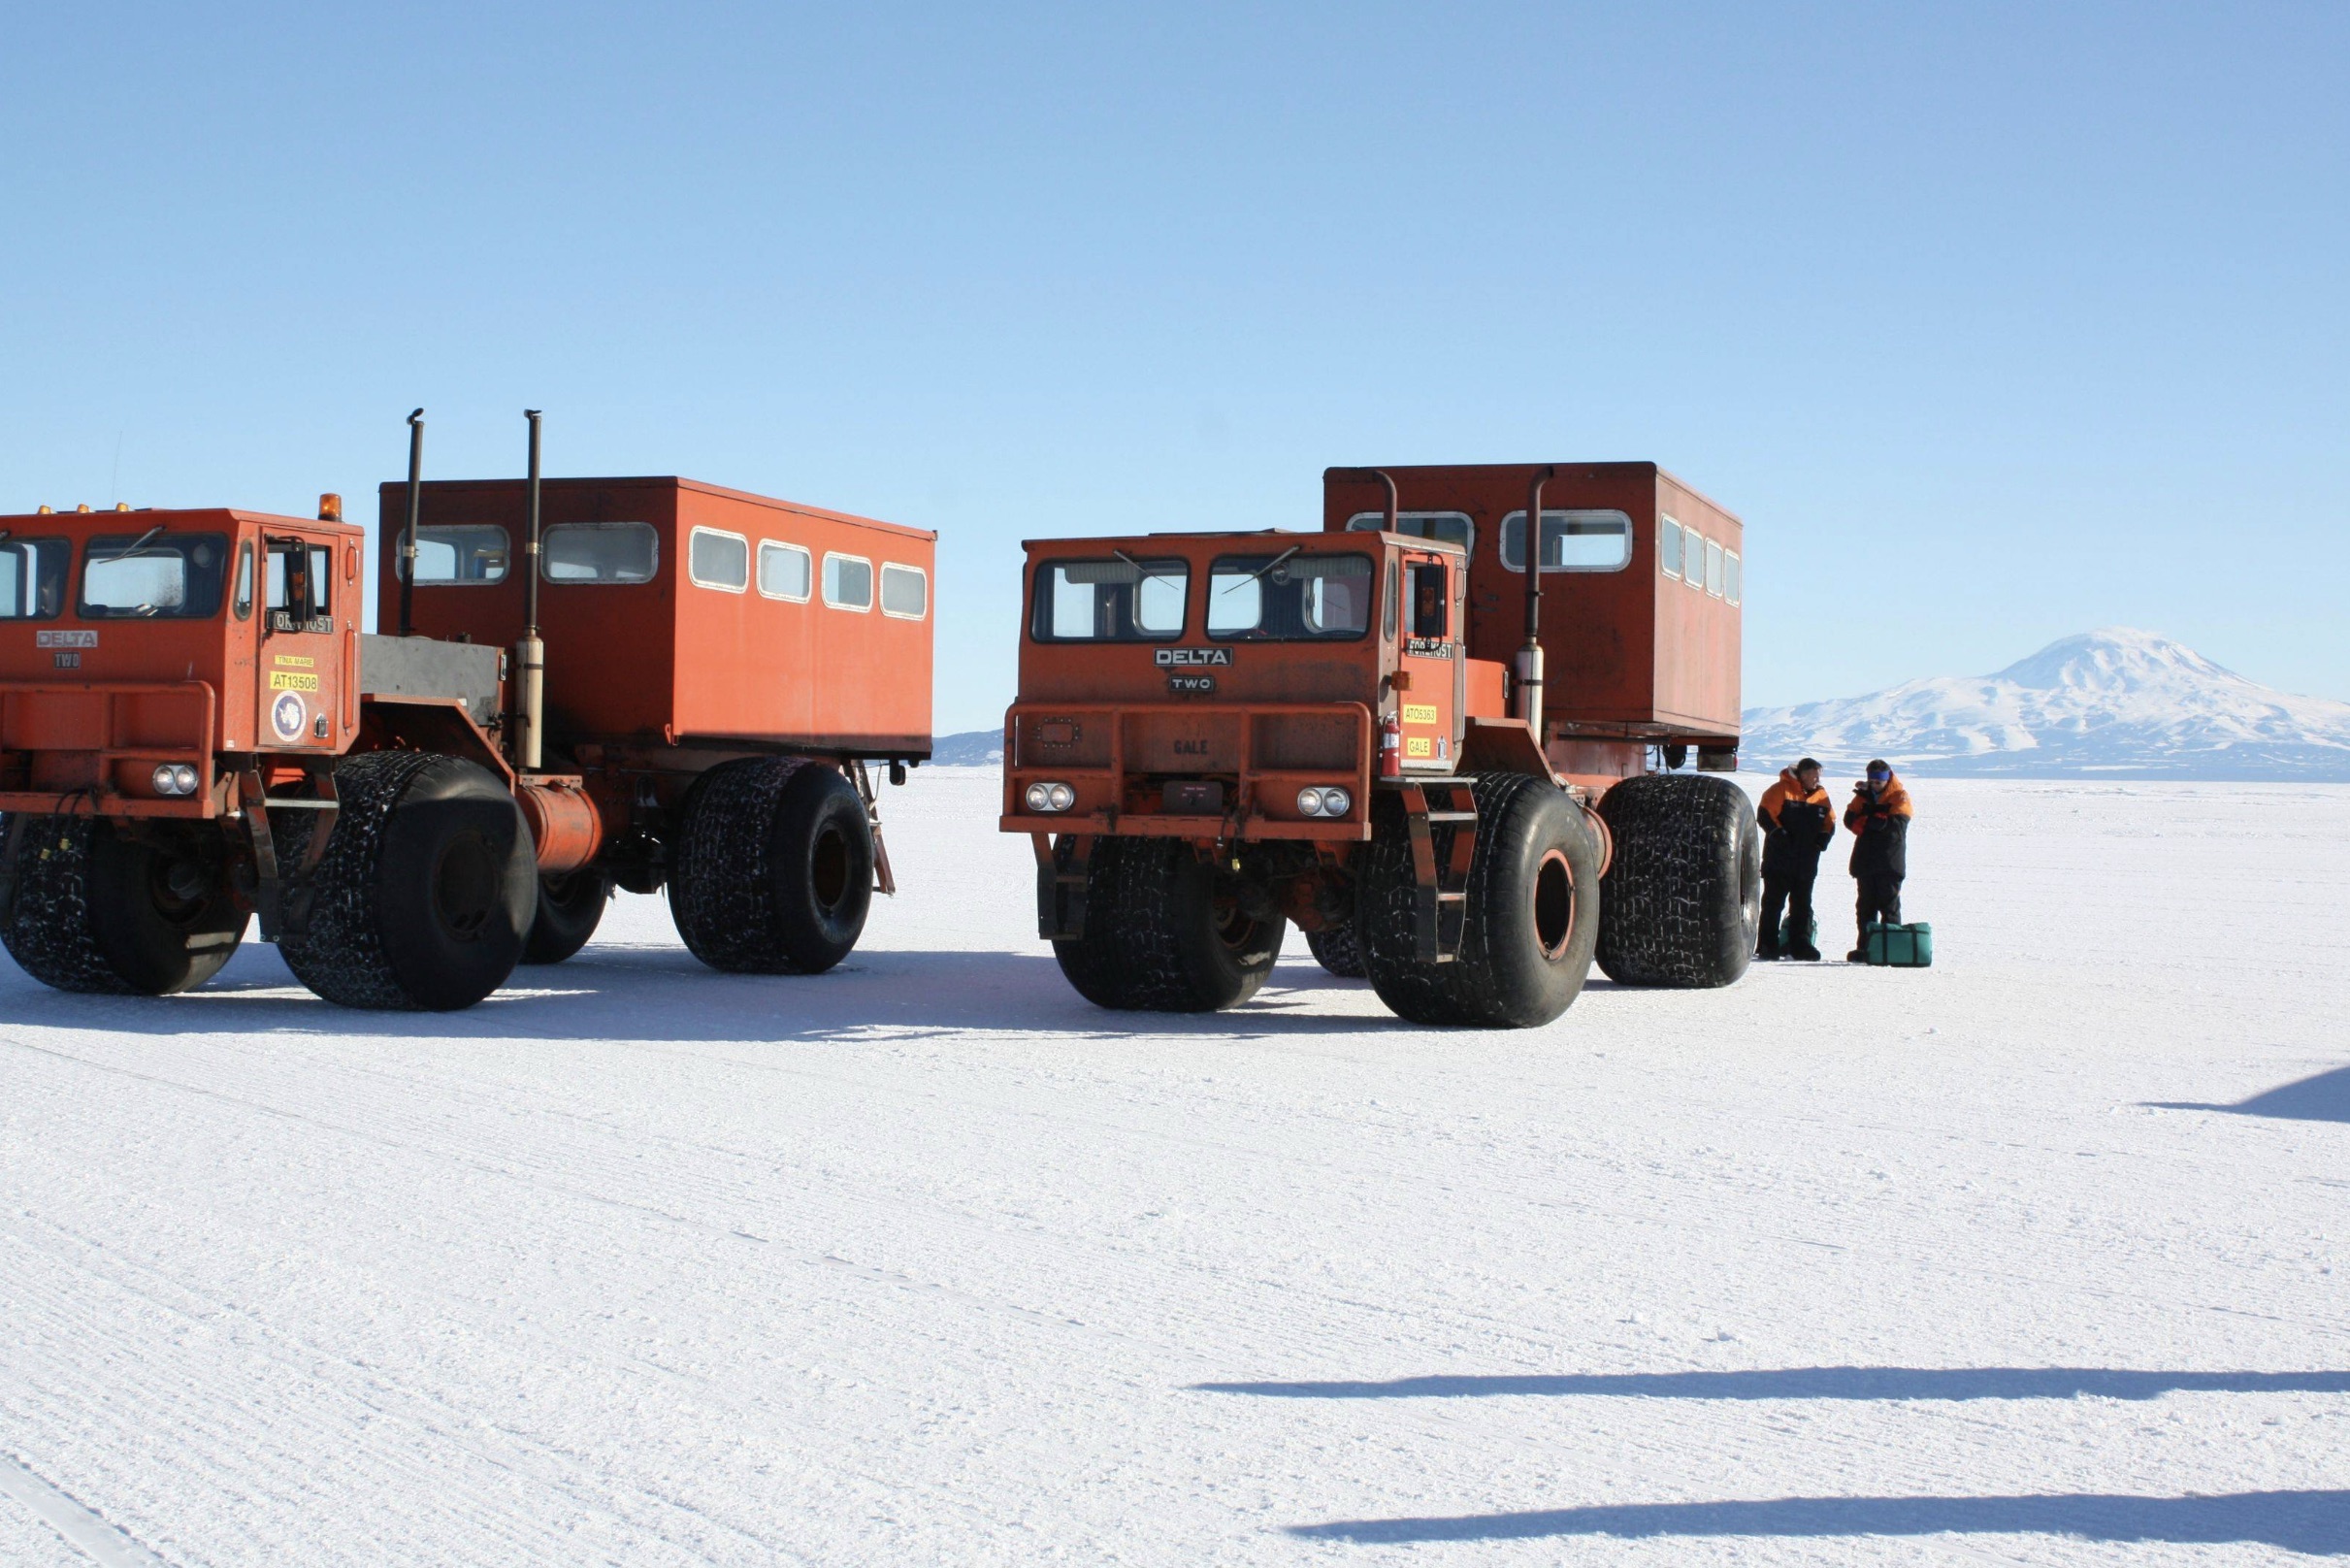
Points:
(107, 1545)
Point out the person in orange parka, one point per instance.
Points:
(1797, 821)
(1879, 819)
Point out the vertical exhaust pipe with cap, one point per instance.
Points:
(1529, 657)
(407, 534)
(530, 654)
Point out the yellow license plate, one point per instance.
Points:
(288, 680)
(1420, 713)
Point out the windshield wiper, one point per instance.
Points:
(1267, 567)
(142, 544)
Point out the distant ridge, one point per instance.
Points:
(967, 748)
(2110, 704)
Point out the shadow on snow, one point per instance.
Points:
(662, 994)
(1889, 1383)
(2325, 1097)
(2316, 1523)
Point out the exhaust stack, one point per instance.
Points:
(530, 654)
(1529, 657)
(407, 534)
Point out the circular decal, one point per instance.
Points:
(288, 715)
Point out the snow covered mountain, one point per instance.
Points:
(2110, 704)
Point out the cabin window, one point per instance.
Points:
(718, 560)
(1729, 575)
(1289, 597)
(242, 603)
(32, 578)
(300, 590)
(153, 577)
(463, 554)
(1693, 559)
(1713, 569)
(1571, 541)
(600, 552)
(1451, 527)
(785, 572)
(848, 581)
(1121, 599)
(1431, 619)
(905, 591)
(1668, 546)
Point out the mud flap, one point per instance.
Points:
(1061, 869)
(885, 881)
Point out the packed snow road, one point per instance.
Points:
(2039, 1256)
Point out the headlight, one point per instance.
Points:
(185, 777)
(174, 778)
(1050, 796)
(1327, 802)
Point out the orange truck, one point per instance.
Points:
(647, 683)
(1458, 778)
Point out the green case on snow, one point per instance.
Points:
(1788, 940)
(1900, 947)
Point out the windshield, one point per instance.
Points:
(32, 578)
(153, 575)
(1289, 597)
(1119, 599)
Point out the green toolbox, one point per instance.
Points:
(1900, 947)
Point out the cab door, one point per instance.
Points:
(302, 650)
(1427, 660)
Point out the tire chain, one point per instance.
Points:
(340, 957)
(1676, 842)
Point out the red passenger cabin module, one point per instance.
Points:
(676, 611)
(1643, 584)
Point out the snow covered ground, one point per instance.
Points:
(2039, 1256)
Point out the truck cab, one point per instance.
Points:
(1240, 687)
(135, 644)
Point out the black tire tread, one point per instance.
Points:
(1130, 956)
(48, 932)
(722, 880)
(1338, 949)
(340, 955)
(1673, 910)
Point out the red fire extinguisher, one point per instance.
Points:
(1390, 747)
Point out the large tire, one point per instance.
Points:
(571, 908)
(1160, 938)
(1532, 921)
(1683, 902)
(426, 890)
(1339, 950)
(99, 912)
(773, 869)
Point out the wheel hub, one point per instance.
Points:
(1554, 905)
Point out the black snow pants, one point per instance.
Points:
(1879, 899)
(1790, 891)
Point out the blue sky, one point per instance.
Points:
(1994, 323)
